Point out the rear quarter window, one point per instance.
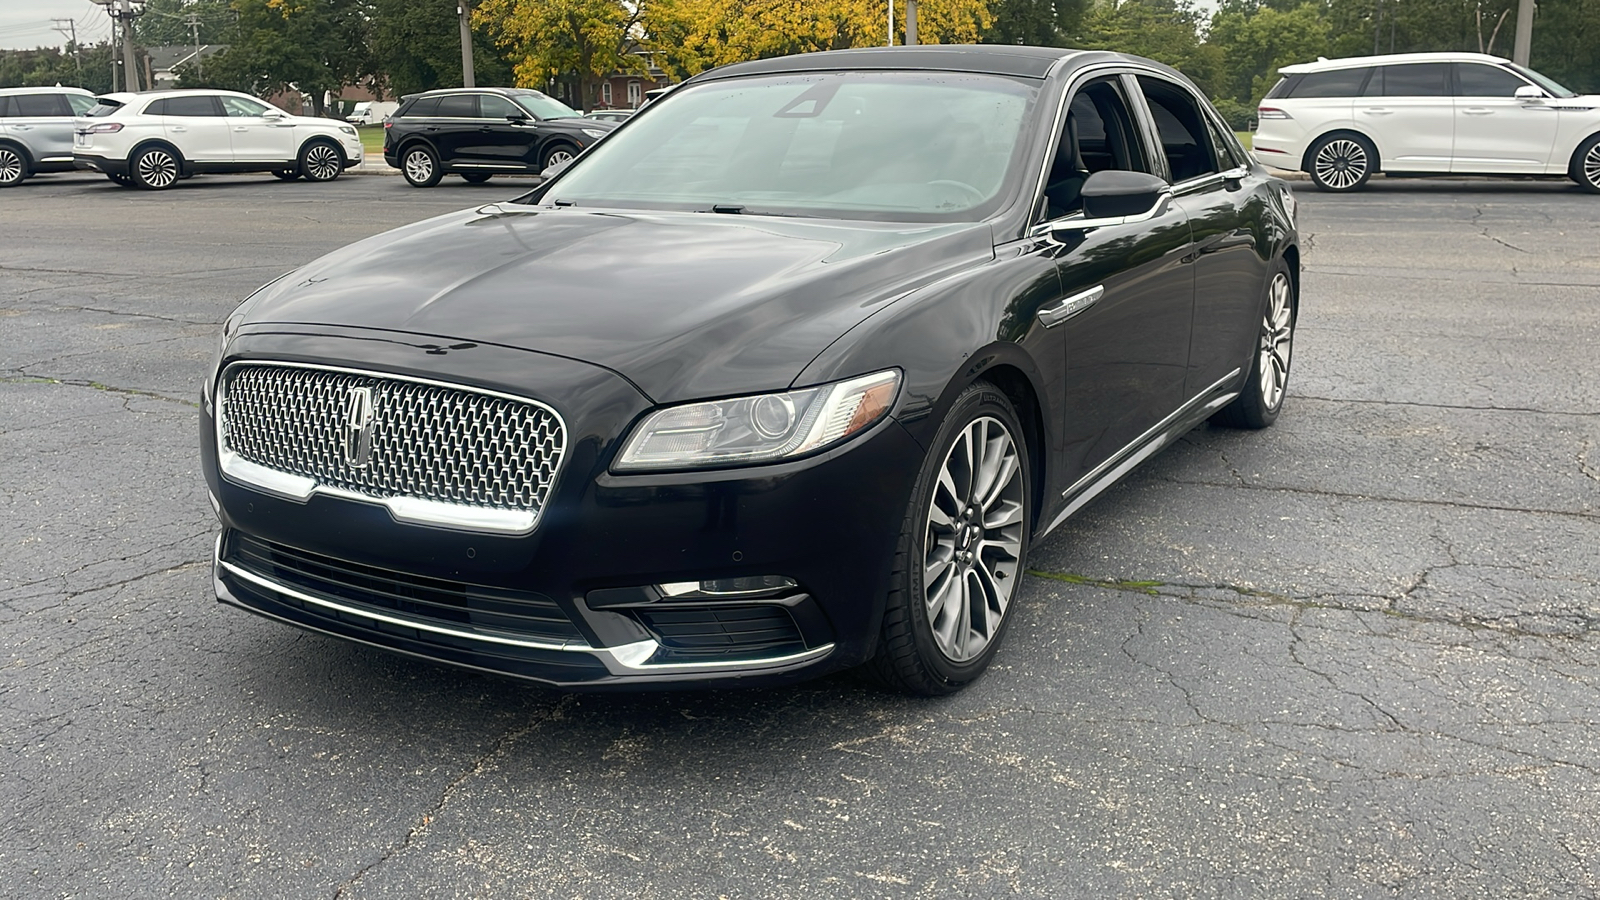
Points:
(1335, 83)
(427, 106)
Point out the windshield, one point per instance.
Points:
(919, 146)
(544, 107)
(1543, 82)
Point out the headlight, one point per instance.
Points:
(595, 133)
(348, 130)
(762, 428)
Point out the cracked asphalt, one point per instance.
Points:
(1353, 655)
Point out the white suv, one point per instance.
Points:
(1341, 120)
(153, 139)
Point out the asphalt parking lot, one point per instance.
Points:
(1354, 655)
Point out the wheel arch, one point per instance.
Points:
(1574, 159)
(410, 141)
(163, 143)
(321, 139)
(1012, 381)
(27, 157)
(1342, 131)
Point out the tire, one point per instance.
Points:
(934, 651)
(13, 166)
(286, 174)
(155, 169)
(475, 177)
(1259, 403)
(420, 166)
(1342, 162)
(122, 180)
(321, 161)
(558, 154)
(1585, 169)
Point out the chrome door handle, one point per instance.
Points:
(179, 128)
(1478, 111)
(1052, 316)
(1379, 111)
(240, 128)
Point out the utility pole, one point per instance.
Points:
(911, 23)
(1523, 48)
(71, 31)
(123, 12)
(194, 29)
(891, 24)
(465, 11)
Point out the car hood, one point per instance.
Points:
(684, 305)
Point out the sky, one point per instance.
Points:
(25, 24)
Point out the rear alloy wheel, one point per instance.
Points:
(1258, 404)
(286, 174)
(1342, 162)
(13, 167)
(961, 552)
(321, 161)
(475, 177)
(155, 169)
(421, 167)
(1586, 165)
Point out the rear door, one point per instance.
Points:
(458, 135)
(198, 128)
(1409, 112)
(43, 122)
(1496, 132)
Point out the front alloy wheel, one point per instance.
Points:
(558, 156)
(961, 553)
(1586, 165)
(1341, 163)
(155, 169)
(321, 161)
(13, 168)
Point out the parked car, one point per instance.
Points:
(1343, 120)
(783, 378)
(152, 139)
(479, 133)
(369, 111)
(609, 115)
(36, 130)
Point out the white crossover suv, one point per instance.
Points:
(1341, 120)
(152, 139)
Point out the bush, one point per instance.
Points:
(1238, 116)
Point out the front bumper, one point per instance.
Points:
(573, 603)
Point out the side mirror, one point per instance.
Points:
(1114, 193)
(272, 114)
(1114, 197)
(517, 118)
(1530, 94)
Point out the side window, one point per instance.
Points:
(1098, 134)
(1182, 128)
(158, 108)
(240, 108)
(195, 107)
(494, 106)
(1475, 80)
(1416, 80)
(5, 107)
(1337, 83)
(458, 106)
(427, 106)
(1224, 150)
(605, 93)
(40, 105)
(80, 104)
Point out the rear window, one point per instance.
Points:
(5, 107)
(103, 108)
(1281, 89)
(1335, 83)
(458, 106)
(427, 106)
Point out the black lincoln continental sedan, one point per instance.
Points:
(783, 377)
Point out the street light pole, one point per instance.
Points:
(130, 63)
(1523, 48)
(467, 79)
(911, 23)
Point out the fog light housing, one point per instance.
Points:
(747, 586)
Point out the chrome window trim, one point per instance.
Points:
(406, 510)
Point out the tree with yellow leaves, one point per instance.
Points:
(550, 38)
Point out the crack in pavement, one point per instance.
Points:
(555, 713)
(1421, 501)
(95, 385)
(1454, 406)
(1484, 231)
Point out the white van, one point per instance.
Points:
(370, 111)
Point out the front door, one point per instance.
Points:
(259, 135)
(505, 142)
(1408, 111)
(1127, 294)
(1496, 132)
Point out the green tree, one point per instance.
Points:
(1036, 23)
(416, 46)
(1163, 30)
(1252, 44)
(313, 46)
(163, 22)
(546, 39)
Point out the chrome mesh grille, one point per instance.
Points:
(444, 444)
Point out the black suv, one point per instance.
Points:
(478, 133)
